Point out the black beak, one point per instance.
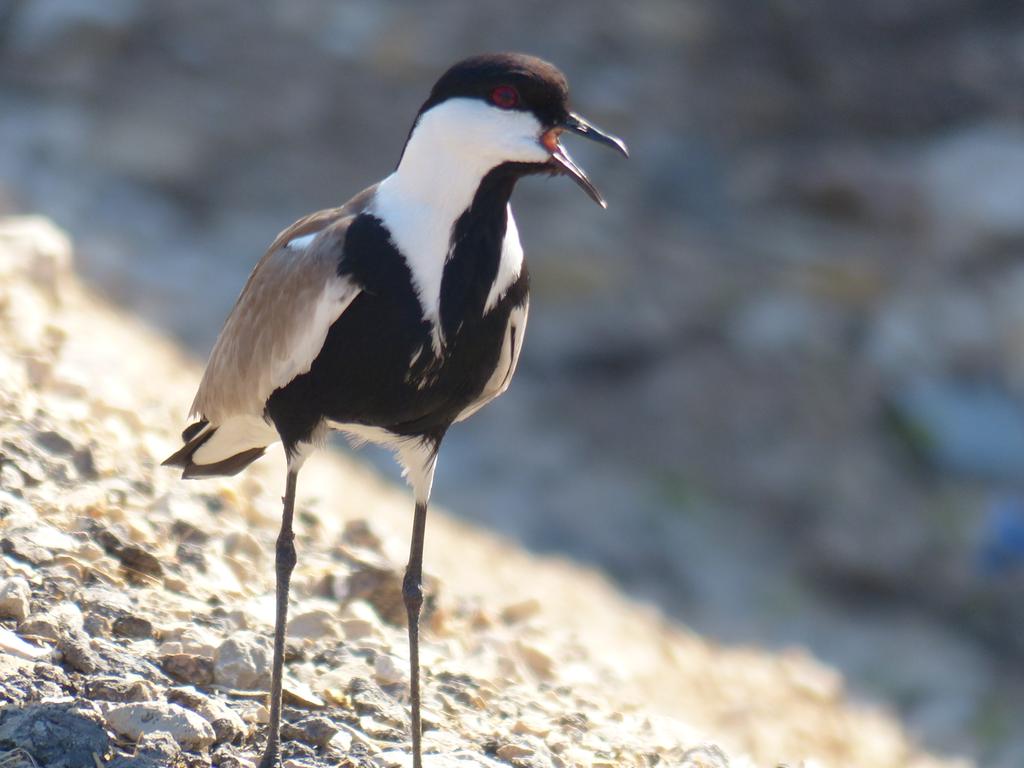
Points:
(561, 158)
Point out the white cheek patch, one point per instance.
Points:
(453, 146)
(481, 134)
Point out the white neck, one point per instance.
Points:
(453, 146)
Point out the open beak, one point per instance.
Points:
(561, 159)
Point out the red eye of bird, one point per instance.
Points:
(505, 97)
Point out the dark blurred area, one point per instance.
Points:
(777, 388)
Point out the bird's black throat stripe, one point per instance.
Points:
(357, 379)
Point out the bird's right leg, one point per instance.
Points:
(285, 562)
(412, 595)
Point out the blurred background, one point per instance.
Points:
(777, 389)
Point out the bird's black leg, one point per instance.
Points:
(412, 595)
(285, 562)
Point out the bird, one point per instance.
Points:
(394, 316)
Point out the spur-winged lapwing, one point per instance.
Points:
(394, 316)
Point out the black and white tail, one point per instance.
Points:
(217, 451)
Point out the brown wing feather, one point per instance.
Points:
(281, 317)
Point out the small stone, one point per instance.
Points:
(300, 695)
(45, 627)
(521, 611)
(20, 547)
(226, 757)
(158, 745)
(377, 582)
(90, 551)
(513, 751)
(188, 553)
(14, 645)
(176, 584)
(63, 618)
(194, 639)
(187, 728)
(387, 670)
(244, 544)
(14, 598)
(188, 668)
(360, 533)
(537, 659)
(359, 621)
(243, 662)
(314, 624)
(54, 734)
(132, 627)
(341, 742)
(137, 560)
(51, 673)
(227, 724)
(120, 689)
(78, 653)
(315, 730)
(531, 727)
(96, 625)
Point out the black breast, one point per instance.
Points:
(377, 366)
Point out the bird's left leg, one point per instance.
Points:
(412, 596)
(285, 563)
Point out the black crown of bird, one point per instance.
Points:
(393, 316)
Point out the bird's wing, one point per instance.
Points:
(281, 319)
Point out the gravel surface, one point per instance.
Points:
(135, 608)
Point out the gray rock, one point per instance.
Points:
(54, 442)
(14, 598)
(62, 620)
(55, 735)
(228, 757)
(389, 670)
(96, 625)
(11, 644)
(313, 624)
(20, 547)
(361, 533)
(158, 745)
(243, 661)
(376, 581)
(106, 600)
(138, 561)
(188, 668)
(126, 661)
(120, 689)
(134, 720)
(78, 652)
(315, 730)
(133, 627)
(227, 724)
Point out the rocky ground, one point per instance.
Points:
(135, 607)
(776, 388)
